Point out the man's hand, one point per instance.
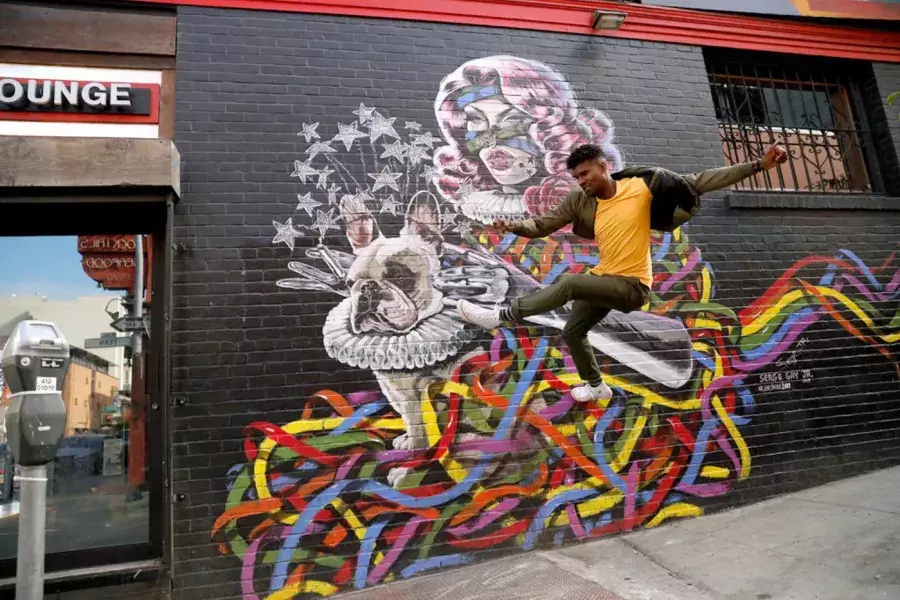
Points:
(775, 155)
(502, 226)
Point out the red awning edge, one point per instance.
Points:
(650, 23)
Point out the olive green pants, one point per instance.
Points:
(592, 297)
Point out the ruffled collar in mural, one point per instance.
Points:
(434, 340)
(488, 206)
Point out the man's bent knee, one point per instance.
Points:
(573, 334)
(566, 286)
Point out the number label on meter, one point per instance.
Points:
(46, 384)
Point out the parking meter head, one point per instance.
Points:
(35, 361)
(35, 358)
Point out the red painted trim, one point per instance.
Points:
(650, 23)
(64, 117)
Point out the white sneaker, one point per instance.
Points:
(487, 318)
(590, 393)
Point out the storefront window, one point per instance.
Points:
(98, 497)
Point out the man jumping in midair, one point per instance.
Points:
(616, 213)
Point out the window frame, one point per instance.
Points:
(91, 214)
(852, 117)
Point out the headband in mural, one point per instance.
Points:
(474, 93)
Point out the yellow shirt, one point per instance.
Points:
(622, 231)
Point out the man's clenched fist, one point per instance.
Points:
(775, 155)
(502, 226)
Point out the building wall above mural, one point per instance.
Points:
(829, 9)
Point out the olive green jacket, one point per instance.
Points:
(579, 209)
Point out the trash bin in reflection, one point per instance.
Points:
(6, 474)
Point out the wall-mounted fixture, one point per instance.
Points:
(607, 19)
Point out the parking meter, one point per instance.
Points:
(35, 362)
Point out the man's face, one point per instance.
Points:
(591, 175)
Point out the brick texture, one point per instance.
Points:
(885, 82)
(779, 372)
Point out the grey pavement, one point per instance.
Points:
(840, 541)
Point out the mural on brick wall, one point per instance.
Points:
(467, 442)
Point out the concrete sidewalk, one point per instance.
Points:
(840, 541)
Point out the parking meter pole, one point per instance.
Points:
(138, 294)
(32, 527)
(136, 427)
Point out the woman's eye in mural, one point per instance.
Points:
(476, 121)
(516, 119)
(485, 113)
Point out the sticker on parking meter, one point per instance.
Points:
(46, 384)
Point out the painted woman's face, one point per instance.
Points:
(500, 125)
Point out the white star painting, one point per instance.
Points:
(381, 126)
(348, 134)
(318, 148)
(285, 233)
(309, 132)
(426, 139)
(364, 113)
(302, 170)
(324, 222)
(394, 150)
(390, 205)
(385, 179)
(429, 173)
(306, 203)
(333, 190)
(322, 183)
(416, 154)
(463, 228)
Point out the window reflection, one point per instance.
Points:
(97, 494)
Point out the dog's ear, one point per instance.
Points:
(423, 218)
(361, 226)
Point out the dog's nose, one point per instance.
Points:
(369, 288)
(369, 296)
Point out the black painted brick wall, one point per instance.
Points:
(886, 82)
(247, 351)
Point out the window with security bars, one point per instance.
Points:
(815, 112)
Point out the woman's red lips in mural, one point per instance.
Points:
(501, 160)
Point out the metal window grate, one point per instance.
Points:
(812, 113)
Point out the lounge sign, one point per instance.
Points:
(69, 100)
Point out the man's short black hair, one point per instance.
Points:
(583, 154)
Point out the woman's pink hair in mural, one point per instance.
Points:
(559, 126)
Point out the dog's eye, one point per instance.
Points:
(400, 275)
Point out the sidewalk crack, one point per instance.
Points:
(697, 586)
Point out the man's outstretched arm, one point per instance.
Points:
(543, 225)
(716, 179)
